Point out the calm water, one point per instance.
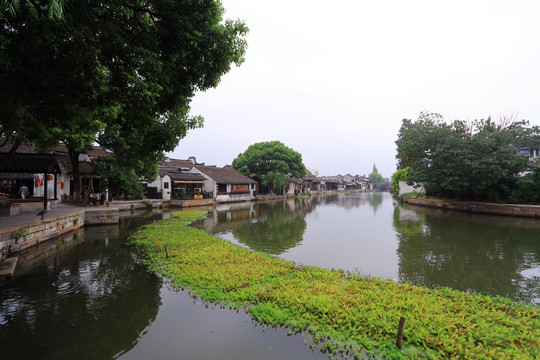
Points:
(85, 296)
(370, 234)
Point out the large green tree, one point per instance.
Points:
(477, 160)
(271, 162)
(118, 73)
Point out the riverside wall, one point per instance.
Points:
(531, 211)
(190, 203)
(23, 236)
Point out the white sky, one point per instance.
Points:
(334, 79)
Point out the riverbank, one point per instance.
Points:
(24, 230)
(532, 211)
(354, 312)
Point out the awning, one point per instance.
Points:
(16, 176)
(28, 163)
(188, 182)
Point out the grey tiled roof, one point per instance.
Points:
(177, 176)
(66, 168)
(225, 175)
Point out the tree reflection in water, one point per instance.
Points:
(276, 229)
(491, 255)
(85, 306)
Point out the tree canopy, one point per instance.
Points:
(271, 162)
(118, 73)
(55, 8)
(477, 160)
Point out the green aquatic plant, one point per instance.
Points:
(21, 232)
(344, 312)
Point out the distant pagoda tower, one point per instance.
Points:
(375, 169)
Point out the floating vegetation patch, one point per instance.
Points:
(343, 312)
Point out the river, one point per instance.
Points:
(85, 295)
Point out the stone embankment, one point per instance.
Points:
(532, 211)
(19, 237)
(25, 234)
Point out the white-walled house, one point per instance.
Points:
(161, 186)
(176, 182)
(294, 186)
(226, 184)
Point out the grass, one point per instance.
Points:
(340, 310)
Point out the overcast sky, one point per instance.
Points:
(334, 79)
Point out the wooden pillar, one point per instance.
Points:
(55, 186)
(45, 190)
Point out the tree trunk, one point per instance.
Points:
(74, 159)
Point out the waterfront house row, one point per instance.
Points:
(347, 182)
(190, 180)
(177, 179)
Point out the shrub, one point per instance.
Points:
(529, 187)
(400, 175)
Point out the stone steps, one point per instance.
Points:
(7, 267)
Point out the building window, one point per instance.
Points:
(222, 188)
(166, 185)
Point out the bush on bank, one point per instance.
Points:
(344, 311)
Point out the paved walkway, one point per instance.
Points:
(61, 209)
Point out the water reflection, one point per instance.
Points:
(84, 296)
(272, 228)
(274, 231)
(371, 234)
(350, 231)
(352, 200)
(485, 254)
(83, 300)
